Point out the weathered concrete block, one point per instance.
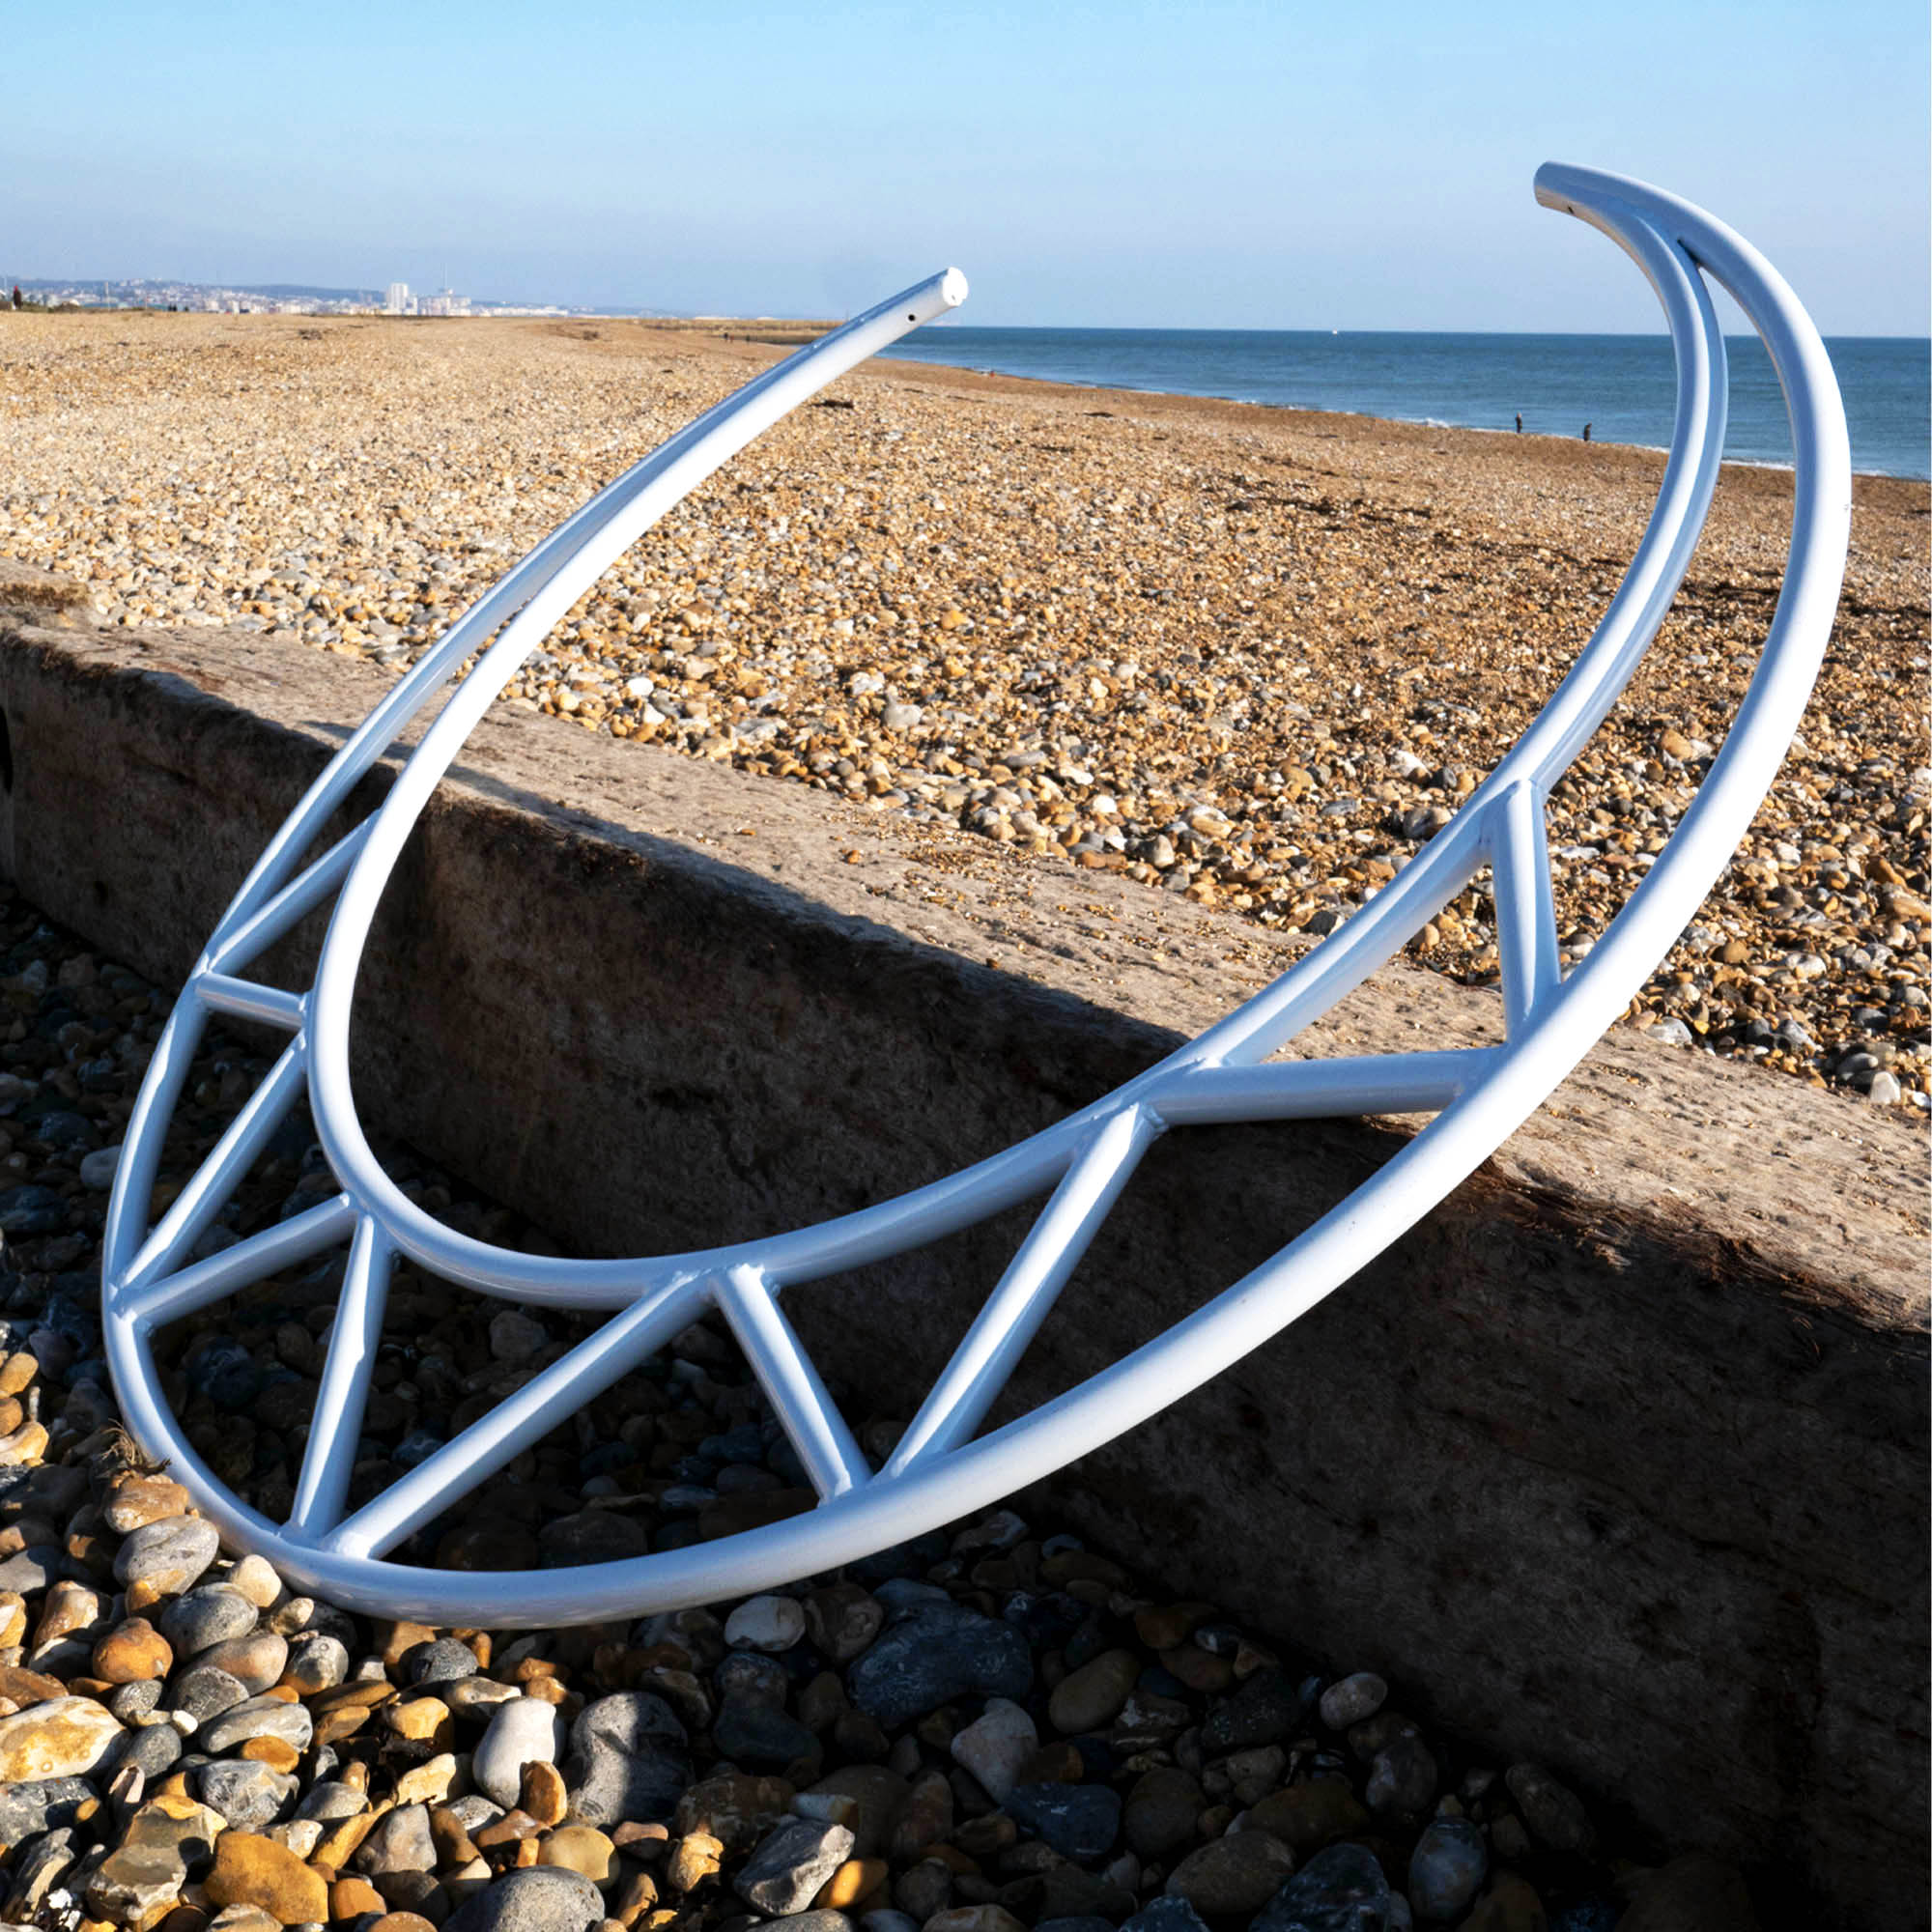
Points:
(1620, 1457)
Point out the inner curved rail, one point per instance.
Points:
(939, 1472)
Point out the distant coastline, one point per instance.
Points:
(1621, 385)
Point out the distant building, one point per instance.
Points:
(398, 299)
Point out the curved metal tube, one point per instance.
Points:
(939, 1472)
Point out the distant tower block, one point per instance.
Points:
(397, 302)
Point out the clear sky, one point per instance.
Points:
(1310, 163)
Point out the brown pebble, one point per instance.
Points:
(350, 1897)
(253, 1870)
(132, 1652)
(541, 1793)
(277, 1753)
(402, 1922)
(134, 1499)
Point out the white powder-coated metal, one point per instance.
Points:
(942, 1469)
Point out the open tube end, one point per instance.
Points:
(952, 288)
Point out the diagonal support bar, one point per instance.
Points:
(250, 1000)
(335, 1428)
(515, 1423)
(218, 1176)
(1316, 1090)
(791, 1382)
(980, 1366)
(170, 1297)
(1525, 904)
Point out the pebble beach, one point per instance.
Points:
(1249, 655)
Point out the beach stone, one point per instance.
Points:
(1446, 1868)
(30, 1806)
(1269, 1707)
(1402, 1777)
(585, 1849)
(147, 1870)
(1080, 1821)
(851, 1885)
(253, 1870)
(881, 1798)
(1311, 1814)
(332, 1800)
(694, 1857)
(627, 1760)
(61, 1737)
(823, 1919)
(1512, 1905)
(542, 1793)
(936, 1654)
(402, 1922)
(204, 1691)
(765, 1623)
(1233, 1876)
(1552, 1811)
(843, 1619)
(429, 1782)
(316, 1661)
(737, 1809)
(134, 1500)
(974, 1918)
(248, 1795)
(28, 1687)
(255, 1662)
(760, 1735)
(1164, 1914)
(354, 1898)
(446, 1661)
(789, 1865)
(257, 1717)
(167, 1556)
(1090, 1698)
(254, 1577)
(1694, 1892)
(150, 1751)
(201, 1618)
(1341, 1890)
(1353, 1700)
(1161, 1811)
(995, 1744)
(887, 1919)
(543, 1898)
(399, 1841)
(522, 1728)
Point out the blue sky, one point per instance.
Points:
(1304, 165)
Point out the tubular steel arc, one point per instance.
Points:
(942, 1469)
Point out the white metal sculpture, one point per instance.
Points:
(942, 1468)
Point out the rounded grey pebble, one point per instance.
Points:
(135, 1700)
(443, 1662)
(1447, 1868)
(330, 1802)
(153, 1748)
(246, 1793)
(545, 1898)
(204, 1691)
(318, 1659)
(209, 1615)
(809, 1922)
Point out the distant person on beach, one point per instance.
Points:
(17, 302)
(1519, 422)
(1586, 431)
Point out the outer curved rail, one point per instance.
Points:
(939, 1470)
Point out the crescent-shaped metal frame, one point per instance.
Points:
(943, 1469)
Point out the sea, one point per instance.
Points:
(1621, 385)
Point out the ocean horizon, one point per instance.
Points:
(1622, 386)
